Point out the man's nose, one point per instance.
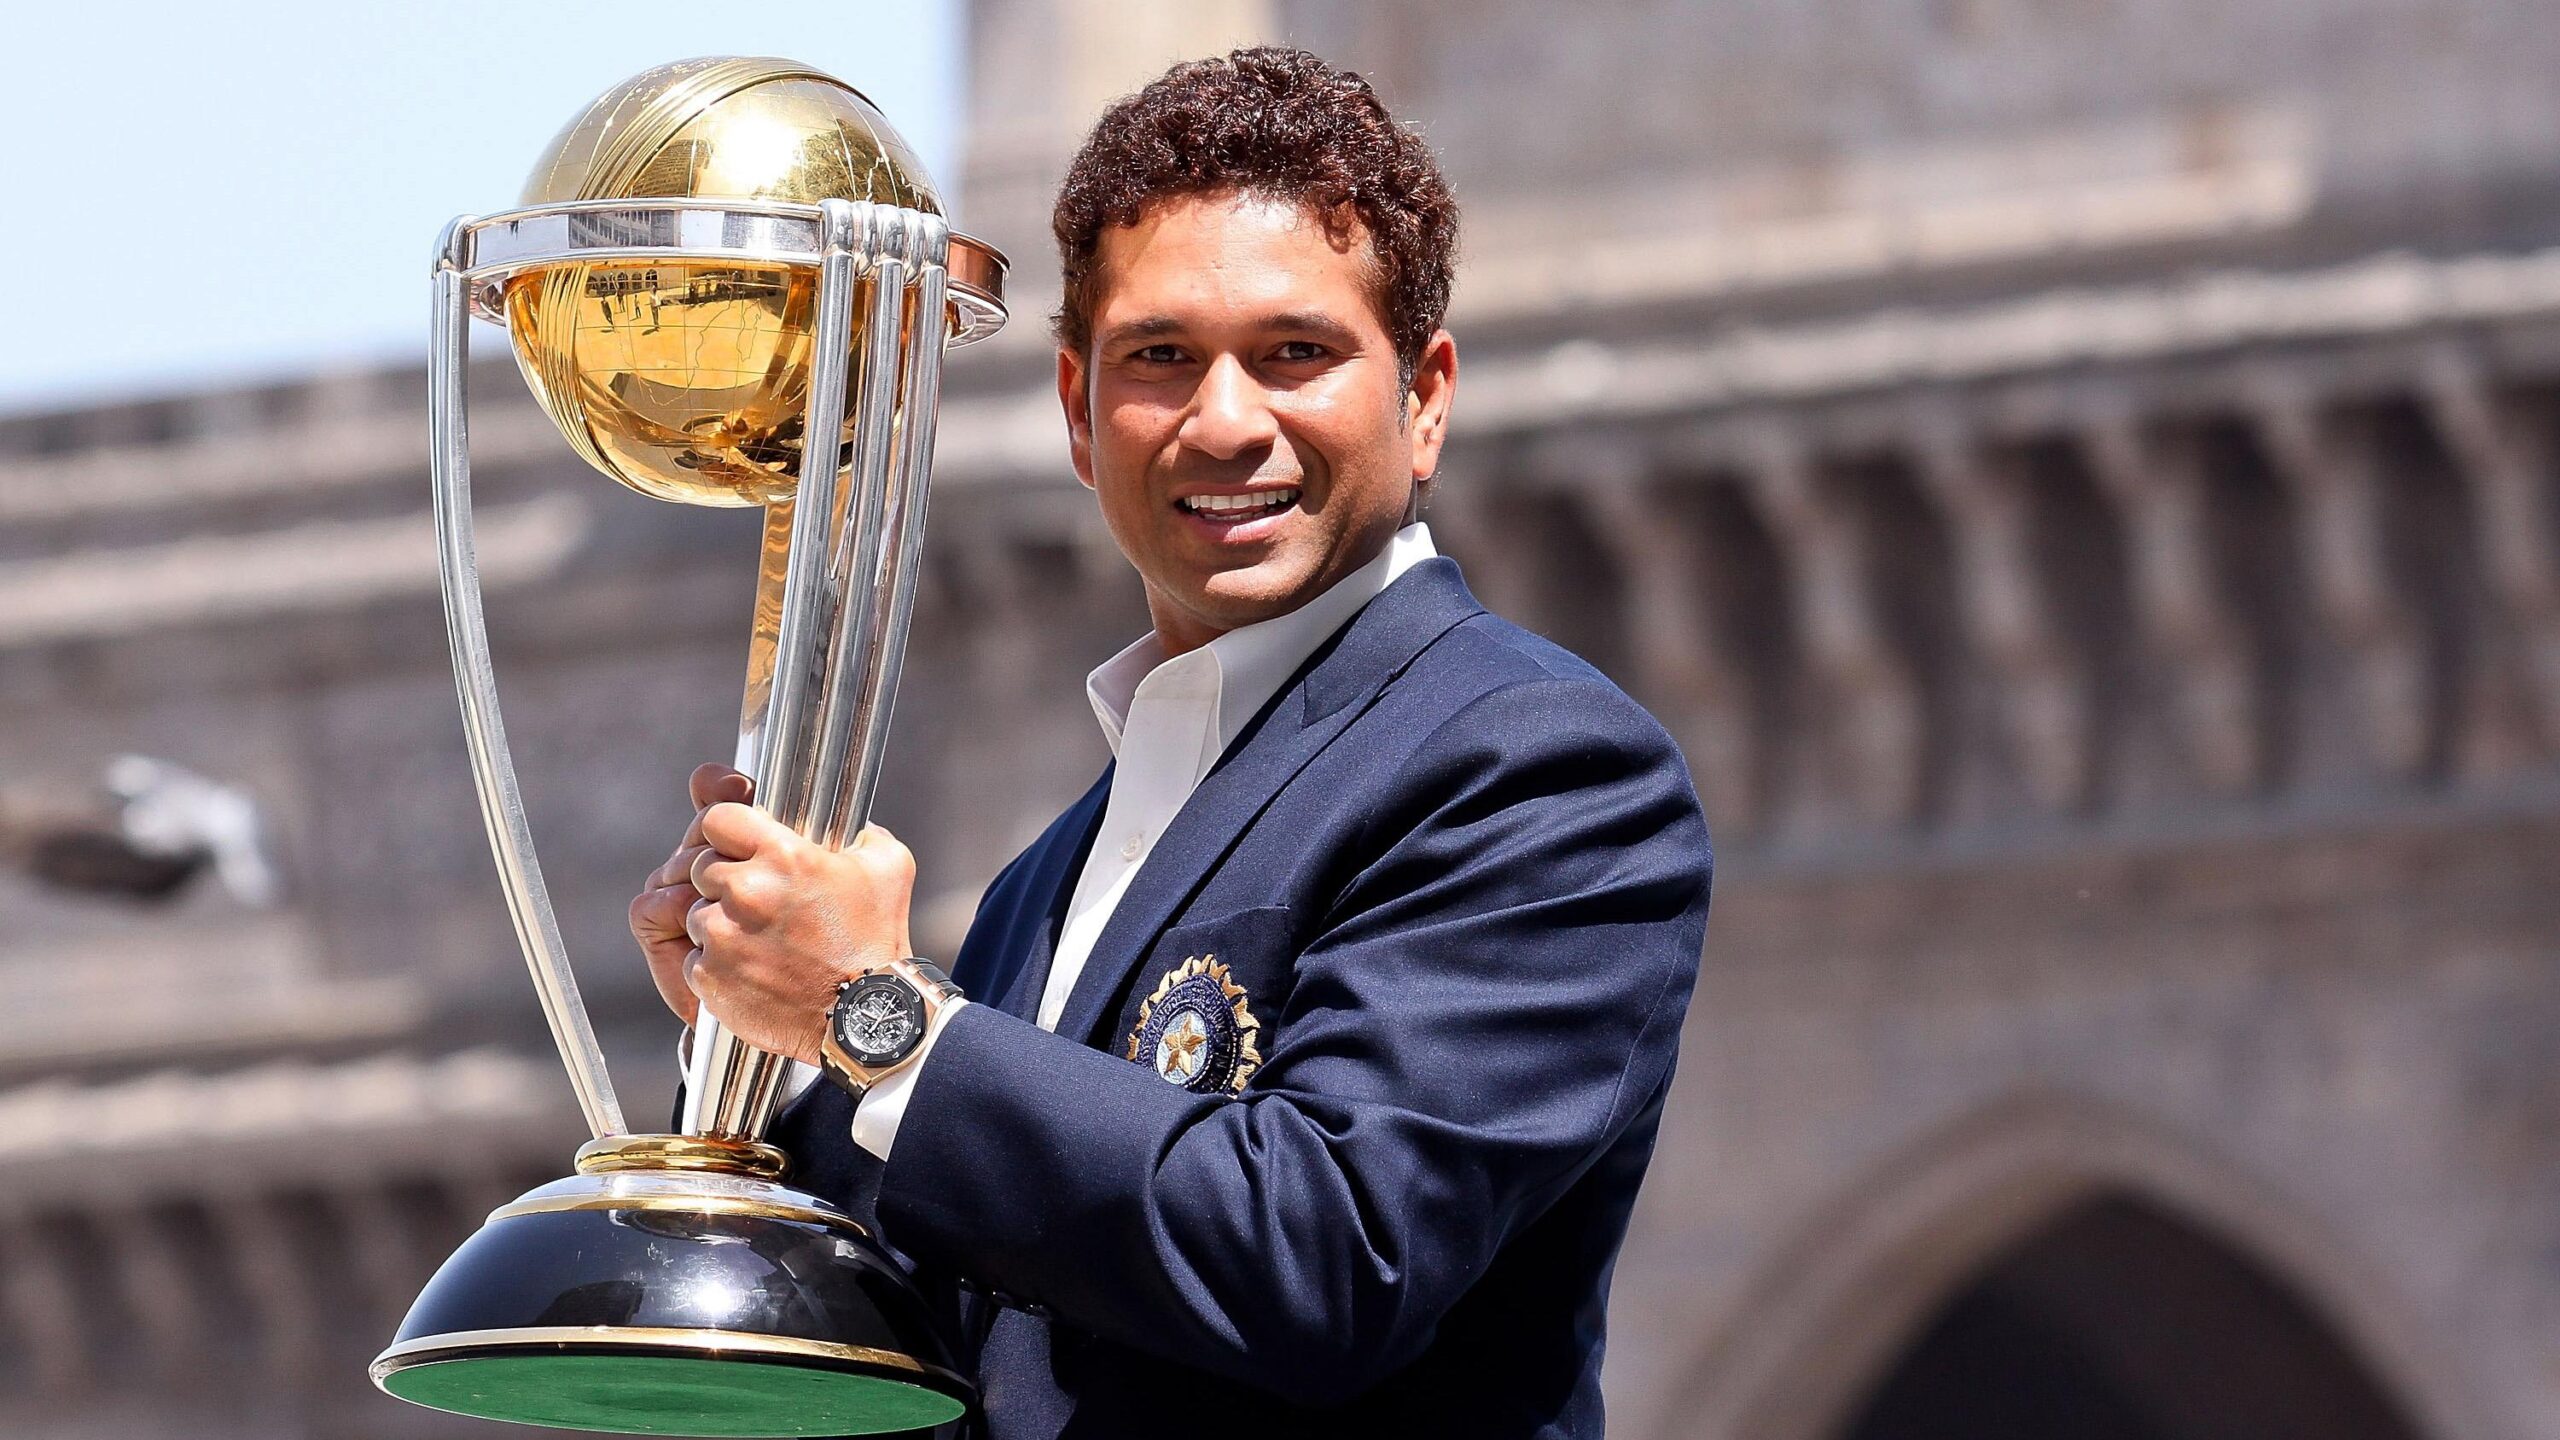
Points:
(1230, 413)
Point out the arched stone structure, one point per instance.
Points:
(1859, 1281)
(2120, 1320)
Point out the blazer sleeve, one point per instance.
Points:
(1491, 997)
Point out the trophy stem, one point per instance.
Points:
(782, 734)
(920, 392)
(475, 679)
(853, 668)
(848, 590)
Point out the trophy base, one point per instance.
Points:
(648, 1301)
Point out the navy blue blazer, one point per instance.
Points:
(1403, 984)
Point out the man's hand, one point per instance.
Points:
(782, 921)
(658, 911)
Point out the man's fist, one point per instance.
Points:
(782, 921)
(658, 911)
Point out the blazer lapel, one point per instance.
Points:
(1320, 701)
(1045, 893)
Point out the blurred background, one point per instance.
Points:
(2078, 477)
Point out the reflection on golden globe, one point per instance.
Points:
(687, 380)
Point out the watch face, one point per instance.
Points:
(880, 1020)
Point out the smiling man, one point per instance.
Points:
(1308, 1065)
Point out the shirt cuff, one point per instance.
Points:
(875, 1120)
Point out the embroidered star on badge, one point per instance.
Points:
(1178, 1056)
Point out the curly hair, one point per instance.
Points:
(1274, 122)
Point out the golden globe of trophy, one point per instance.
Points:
(730, 283)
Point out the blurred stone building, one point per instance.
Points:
(2078, 476)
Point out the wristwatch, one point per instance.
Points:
(879, 1021)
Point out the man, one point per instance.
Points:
(1395, 907)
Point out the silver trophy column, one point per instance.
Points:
(815, 745)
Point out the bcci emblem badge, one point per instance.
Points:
(1197, 1031)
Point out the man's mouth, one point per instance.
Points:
(1251, 505)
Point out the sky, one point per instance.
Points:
(227, 194)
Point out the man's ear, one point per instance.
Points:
(1075, 400)
(1427, 402)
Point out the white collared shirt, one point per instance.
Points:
(1167, 722)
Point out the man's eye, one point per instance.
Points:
(1300, 351)
(1157, 355)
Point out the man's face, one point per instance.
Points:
(1239, 412)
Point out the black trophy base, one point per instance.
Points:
(651, 1302)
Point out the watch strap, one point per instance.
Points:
(934, 976)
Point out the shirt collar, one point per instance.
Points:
(1244, 668)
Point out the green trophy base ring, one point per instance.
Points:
(671, 1395)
